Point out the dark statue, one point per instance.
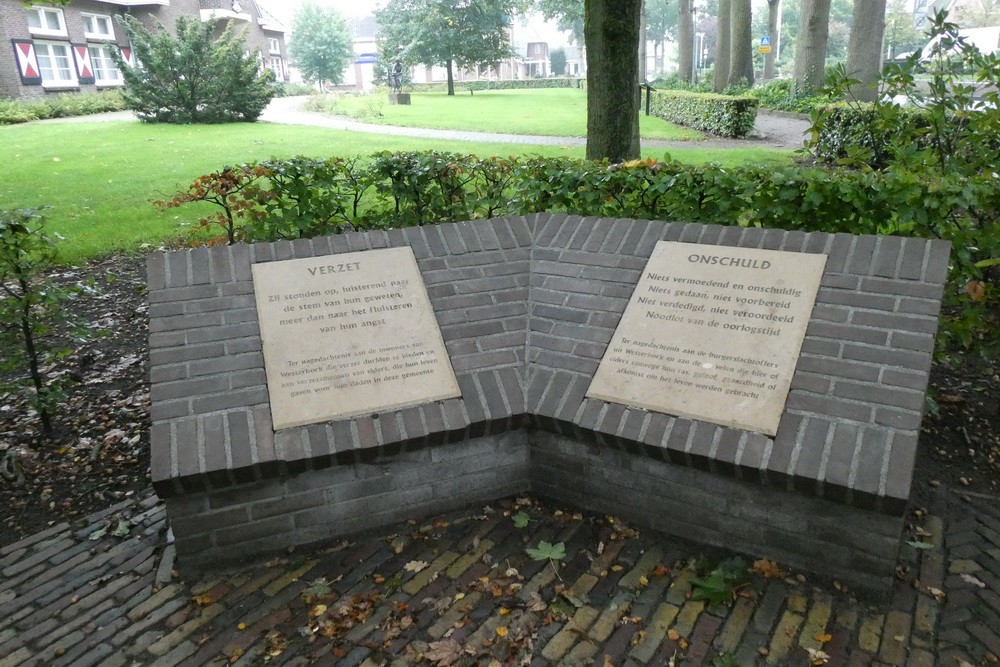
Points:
(396, 77)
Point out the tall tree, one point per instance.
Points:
(611, 30)
(978, 13)
(557, 60)
(900, 34)
(741, 45)
(685, 40)
(864, 50)
(661, 24)
(450, 33)
(568, 15)
(810, 49)
(722, 45)
(320, 44)
(774, 32)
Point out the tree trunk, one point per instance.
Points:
(685, 40)
(451, 78)
(642, 41)
(810, 49)
(722, 42)
(741, 48)
(864, 49)
(774, 32)
(611, 31)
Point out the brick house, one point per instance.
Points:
(68, 48)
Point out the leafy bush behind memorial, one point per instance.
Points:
(303, 197)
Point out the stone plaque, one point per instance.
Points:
(347, 335)
(712, 333)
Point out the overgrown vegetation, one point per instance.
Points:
(31, 304)
(193, 77)
(304, 197)
(59, 106)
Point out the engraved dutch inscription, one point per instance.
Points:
(347, 335)
(712, 333)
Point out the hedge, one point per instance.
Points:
(723, 115)
(59, 106)
(504, 84)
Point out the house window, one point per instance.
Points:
(55, 64)
(46, 21)
(276, 67)
(274, 44)
(97, 26)
(105, 71)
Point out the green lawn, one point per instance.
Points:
(545, 111)
(99, 179)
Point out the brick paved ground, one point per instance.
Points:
(462, 588)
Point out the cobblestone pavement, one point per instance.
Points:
(461, 589)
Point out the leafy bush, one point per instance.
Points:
(512, 84)
(301, 197)
(60, 106)
(723, 115)
(285, 89)
(194, 77)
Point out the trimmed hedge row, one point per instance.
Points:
(59, 106)
(514, 84)
(723, 115)
(303, 197)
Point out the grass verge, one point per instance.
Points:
(99, 179)
(554, 112)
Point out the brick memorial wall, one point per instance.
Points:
(526, 309)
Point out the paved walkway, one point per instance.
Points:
(770, 131)
(460, 589)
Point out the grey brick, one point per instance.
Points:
(823, 405)
(912, 323)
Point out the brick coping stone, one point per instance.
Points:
(527, 306)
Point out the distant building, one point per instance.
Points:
(68, 48)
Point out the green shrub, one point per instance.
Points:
(723, 115)
(513, 84)
(193, 76)
(284, 89)
(303, 197)
(31, 304)
(60, 106)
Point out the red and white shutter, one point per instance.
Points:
(84, 68)
(127, 55)
(27, 63)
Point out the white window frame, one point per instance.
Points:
(274, 45)
(277, 65)
(97, 18)
(44, 53)
(102, 63)
(41, 13)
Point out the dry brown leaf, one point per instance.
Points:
(769, 569)
(824, 638)
(673, 635)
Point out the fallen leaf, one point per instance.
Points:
(936, 592)
(817, 657)
(202, 600)
(643, 581)
(768, 568)
(501, 631)
(969, 579)
(823, 639)
(443, 652)
(661, 571)
(536, 602)
(415, 565)
(673, 635)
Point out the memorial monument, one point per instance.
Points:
(755, 389)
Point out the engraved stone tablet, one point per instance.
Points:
(347, 335)
(712, 333)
